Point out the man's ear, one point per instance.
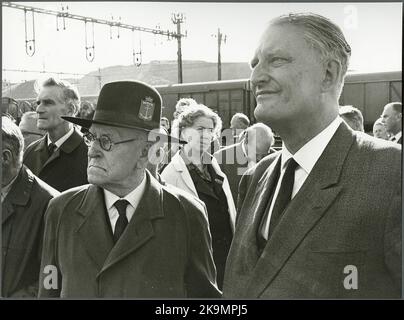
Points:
(7, 157)
(144, 156)
(332, 72)
(71, 109)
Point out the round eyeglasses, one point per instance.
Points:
(105, 142)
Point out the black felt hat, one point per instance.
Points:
(127, 104)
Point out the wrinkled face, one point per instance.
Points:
(51, 107)
(379, 131)
(391, 119)
(286, 76)
(200, 135)
(110, 169)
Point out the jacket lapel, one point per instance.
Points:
(258, 203)
(95, 230)
(140, 229)
(305, 210)
(41, 149)
(180, 166)
(67, 147)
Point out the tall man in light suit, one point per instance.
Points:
(125, 235)
(321, 218)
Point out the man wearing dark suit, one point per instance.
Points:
(392, 118)
(234, 160)
(125, 235)
(60, 157)
(321, 218)
(24, 199)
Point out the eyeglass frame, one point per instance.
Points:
(94, 138)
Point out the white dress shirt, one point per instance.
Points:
(133, 198)
(306, 157)
(62, 139)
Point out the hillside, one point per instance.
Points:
(154, 73)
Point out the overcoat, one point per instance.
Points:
(22, 228)
(164, 252)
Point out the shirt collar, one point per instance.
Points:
(62, 139)
(307, 156)
(398, 136)
(133, 197)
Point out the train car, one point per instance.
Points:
(369, 92)
(224, 97)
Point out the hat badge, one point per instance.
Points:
(146, 109)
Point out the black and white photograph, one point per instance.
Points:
(228, 151)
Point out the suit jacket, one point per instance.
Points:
(234, 164)
(164, 252)
(66, 167)
(177, 174)
(347, 213)
(23, 212)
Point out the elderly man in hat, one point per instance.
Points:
(125, 235)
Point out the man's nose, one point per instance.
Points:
(258, 75)
(39, 108)
(94, 150)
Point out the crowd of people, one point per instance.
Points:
(117, 201)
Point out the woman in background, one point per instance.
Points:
(194, 170)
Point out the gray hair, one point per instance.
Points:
(70, 92)
(12, 138)
(321, 34)
(353, 116)
(241, 117)
(379, 121)
(397, 106)
(259, 125)
(182, 104)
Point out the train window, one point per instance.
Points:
(236, 99)
(211, 99)
(377, 96)
(198, 97)
(396, 91)
(354, 94)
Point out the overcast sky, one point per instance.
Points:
(374, 31)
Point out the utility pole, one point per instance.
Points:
(178, 18)
(220, 38)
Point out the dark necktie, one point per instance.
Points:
(51, 149)
(281, 201)
(284, 195)
(122, 221)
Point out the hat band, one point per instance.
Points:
(125, 119)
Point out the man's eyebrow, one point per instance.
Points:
(45, 100)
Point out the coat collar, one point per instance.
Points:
(19, 193)
(180, 166)
(68, 146)
(311, 203)
(94, 230)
